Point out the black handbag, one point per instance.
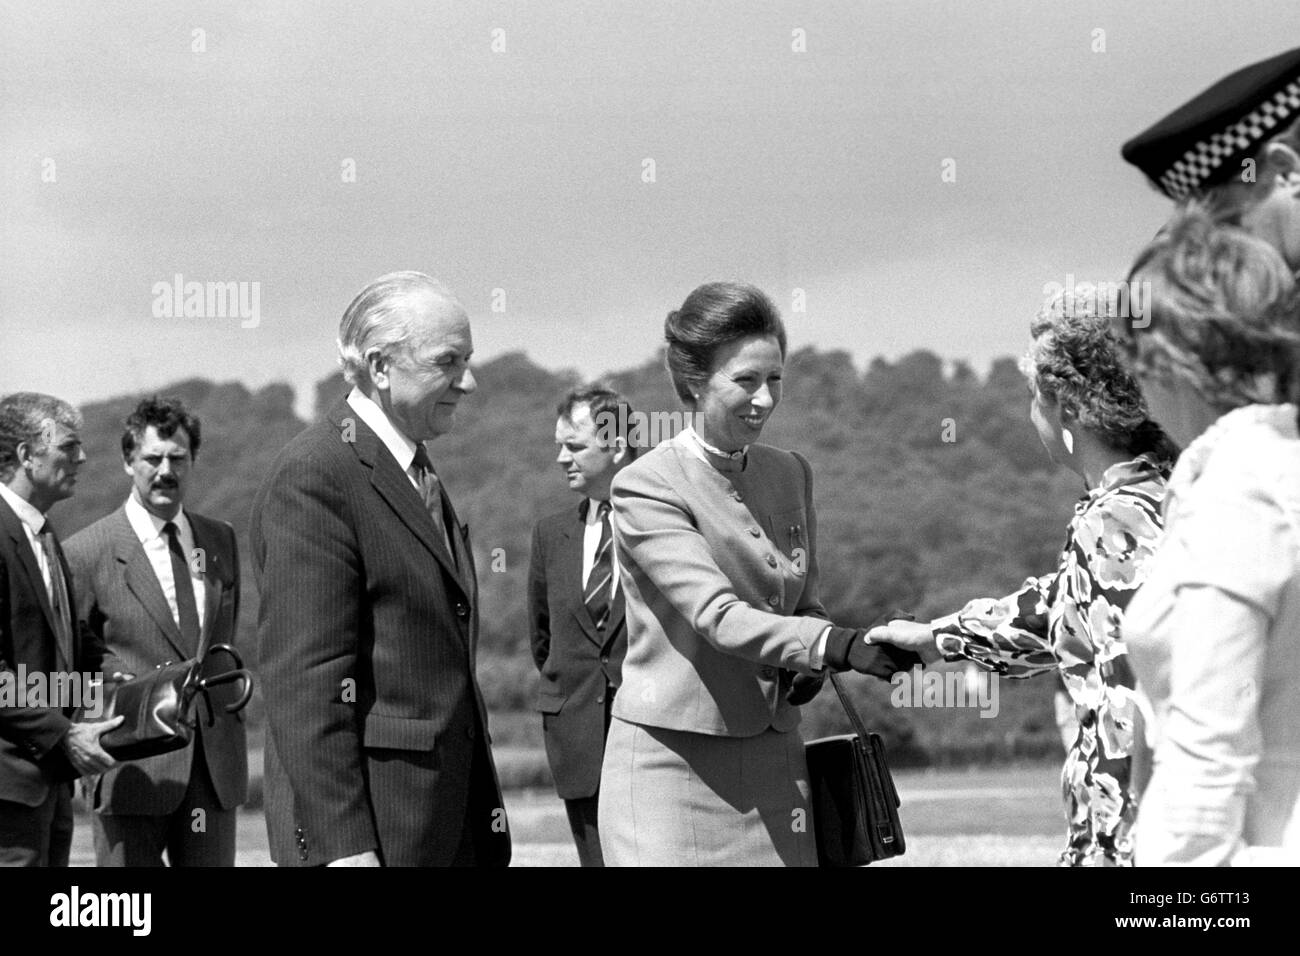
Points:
(854, 801)
(161, 708)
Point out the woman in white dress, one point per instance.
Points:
(1214, 634)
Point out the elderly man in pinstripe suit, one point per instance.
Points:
(377, 752)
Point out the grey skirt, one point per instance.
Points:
(676, 798)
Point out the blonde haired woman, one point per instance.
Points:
(1215, 633)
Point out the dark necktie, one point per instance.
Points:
(431, 492)
(186, 606)
(595, 593)
(58, 591)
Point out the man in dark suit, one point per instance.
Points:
(41, 750)
(579, 637)
(158, 583)
(377, 751)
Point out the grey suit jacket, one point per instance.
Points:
(121, 602)
(720, 576)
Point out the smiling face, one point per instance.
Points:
(588, 465)
(741, 393)
(420, 385)
(160, 471)
(52, 471)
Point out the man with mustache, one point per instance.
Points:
(575, 607)
(158, 584)
(377, 746)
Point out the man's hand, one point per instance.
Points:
(908, 635)
(369, 858)
(81, 744)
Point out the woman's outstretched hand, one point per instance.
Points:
(908, 635)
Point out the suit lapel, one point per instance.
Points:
(27, 559)
(214, 573)
(615, 613)
(396, 489)
(141, 581)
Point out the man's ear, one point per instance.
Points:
(620, 450)
(377, 364)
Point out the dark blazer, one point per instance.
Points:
(31, 760)
(576, 661)
(122, 603)
(367, 637)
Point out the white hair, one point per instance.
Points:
(379, 317)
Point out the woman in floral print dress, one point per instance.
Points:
(1092, 419)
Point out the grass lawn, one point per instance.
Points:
(1005, 816)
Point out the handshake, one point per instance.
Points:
(881, 651)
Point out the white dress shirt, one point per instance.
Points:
(401, 447)
(148, 528)
(33, 521)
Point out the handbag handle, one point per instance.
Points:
(858, 726)
(225, 677)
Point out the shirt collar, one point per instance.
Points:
(148, 525)
(719, 459)
(1280, 418)
(401, 447)
(585, 511)
(27, 512)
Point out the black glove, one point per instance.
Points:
(847, 649)
(804, 688)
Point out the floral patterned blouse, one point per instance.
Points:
(1070, 621)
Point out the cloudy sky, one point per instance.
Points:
(506, 148)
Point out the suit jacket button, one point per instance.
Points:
(600, 699)
(771, 561)
(604, 658)
(774, 600)
(462, 609)
(302, 854)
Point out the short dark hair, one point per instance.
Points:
(610, 411)
(713, 315)
(24, 418)
(164, 414)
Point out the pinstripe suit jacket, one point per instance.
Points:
(367, 635)
(121, 602)
(720, 576)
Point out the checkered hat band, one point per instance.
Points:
(1200, 162)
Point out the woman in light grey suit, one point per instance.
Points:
(717, 543)
(1214, 634)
